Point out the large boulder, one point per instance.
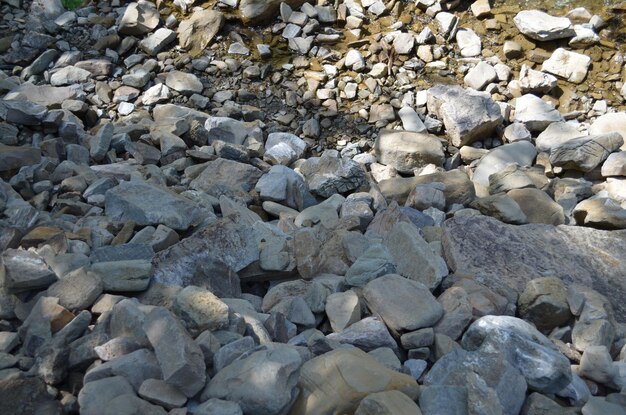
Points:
(227, 177)
(139, 18)
(608, 123)
(585, 153)
(337, 381)
(541, 26)
(518, 254)
(522, 153)
(331, 174)
(406, 151)
(467, 115)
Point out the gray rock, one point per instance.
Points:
(262, 382)
(367, 334)
(585, 153)
(330, 174)
(25, 270)
(129, 405)
(544, 303)
(480, 75)
(16, 157)
(522, 153)
(411, 121)
(22, 112)
(413, 257)
(387, 403)
(231, 351)
(540, 250)
(403, 304)
(217, 406)
(468, 115)
(538, 206)
(541, 26)
(181, 359)
(534, 81)
(158, 41)
(602, 213)
(403, 43)
(501, 207)
(469, 43)
(600, 406)
(373, 263)
(95, 396)
(615, 165)
(493, 385)
(441, 399)
(146, 204)
(45, 95)
(406, 151)
(556, 134)
(283, 148)
(200, 309)
(343, 309)
(136, 367)
(535, 113)
(100, 143)
(228, 178)
(69, 75)
(119, 276)
(597, 365)
(457, 312)
(524, 347)
(197, 32)
(77, 290)
(185, 83)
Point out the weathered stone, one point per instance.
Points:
(197, 32)
(540, 250)
(200, 310)
(541, 26)
(406, 151)
(569, 65)
(544, 303)
(501, 207)
(585, 153)
(373, 263)
(538, 206)
(336, 382)
(535, 113)
(15, 157)
(139, 18)
(387, 403)
(183, 82)
(343, 309)
(136, 367)
(77, 290)
(602, 213)
(95, 396)
(25, 270)
(181, 359)
(227, 177)
(367, 334)
(119, 276)
(329, 174)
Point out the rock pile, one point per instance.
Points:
(284, 207)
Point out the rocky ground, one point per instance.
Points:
(351, 207)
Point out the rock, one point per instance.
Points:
(411, 121)
(538, 206)
(615, 165)
(77, 290)
(406, 151)
(282, 184)
(469, 43)
(69, 75)
(198, 31)
(413, 257)
(403, 43)
(541, 26)
(458, 313)
(535, 113)
(491, 383)
(100, 143)
(131, 404)
(609, 123)
(535, 81)
(480, 75)
(329, 174)
(544, 303)
(200, 310)
(375, 262)
(440, 399)
(596, 364)
(22, 112)
(185, 83)
(426, 196)
(538, 404)
(254, 12)
(45, 95)
(231, 351)
(14, 157)
(540, 250)
(542, 365)
(136, 367)
(283, 148)
(354, 60)
(180, 357)
(367, 334)
(569, 65)
(343, 309)
(139, 18)
(602, 213)
(585, 153)
(598, 405)
(556, 134)
(24, 271)
(336, 382)
(522, 153)
(387, 403)
(467, 115)
(95, 396)
(130, 275)
(262, 382)
(227, 177)
(501, 207)
(403, 304)
(157, 41)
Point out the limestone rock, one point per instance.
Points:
(197, 32)
(406, 151)
(541, 26)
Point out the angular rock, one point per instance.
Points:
(77, 290)
(197, 32)
(95, 396)
(373, 263)
(541, 26)
(25, 270)
(157, 41)
(367, 334)
(183, 82)
(139, 18)
(569, 65)
(387, 403)
(227, 177)
(200, 310)
(328, 175)
(585, 153)
(15, 157)
(522, 153)
(181, 359)
(120, 276)
(406, 151)
(538, 206)
(501, 207)
(468, 115)
(535, 113)
(544, 303)
(601, 213)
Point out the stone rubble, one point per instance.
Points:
(289, 207)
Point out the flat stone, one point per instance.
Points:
(387, 403)
(160, 393)
(540, 250)
(25, 270)
(569, 65)
(406, 151)
(185, 83)
(367, 334)
(522, 153)
(197, 32)
(556, 134)
(480, 75)
(22, 112)
(200, 309)
(77, 290)
(136, 367)
(15, 157)
(541, 26)
(469, 43)
(585, 153)
(69, 75)
(538, 206)
(95, 396)
(535, 113)
(139, 18)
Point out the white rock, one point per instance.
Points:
(469, 43)
(480, 75)
(541, 26)
(403, 43)
(125, 108)
(354, 60)
(157, 41)
(585, 36)
(447, 23)
(535, 81)
(570, 65)
(411, 121)
(536, 113)
(481, 8)
(155, 94)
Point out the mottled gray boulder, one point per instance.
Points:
(15, 157)
(406, 151)
(330, 174)
(441, 399)
(77, 290)
(403, 304)
(467, 115)
(585, 153)
(146, 204)
(183, 82)
(367, 334)
(524, 347)
(180, 358)
(535, 113)
(539, 250)
(139, 18)
(493, 385)
(375, 262)
(120, 276)
(69, 75)
(95, 396)
(283, 185)
(227, 177)
(262, 382)
(541, 26)
(136, 367)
